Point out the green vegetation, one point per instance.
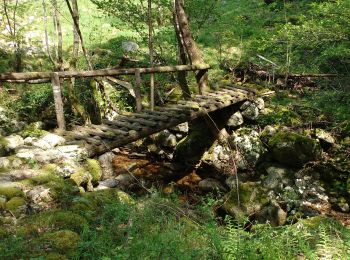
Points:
(278, 37)
(161, 227)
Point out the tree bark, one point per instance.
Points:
(193, 52)
(182, 60)
(58, 27)
(56, 86)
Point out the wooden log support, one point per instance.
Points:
(27, 76)
(200, 77)
(137, 90)
(56, 87)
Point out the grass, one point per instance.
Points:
(158, 227)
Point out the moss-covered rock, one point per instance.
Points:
(63, 241)
(14, 203)
(3, 146)
(94, 168)
(294, 149)
(247, 201)
(52, 221)
(10, 192)
(83, 178)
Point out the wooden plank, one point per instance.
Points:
(123, 124)
(100, 73)
(56, 88)
(139, 120)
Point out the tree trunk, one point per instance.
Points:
(58, 27)
(182, 60)
(77, 107)
(194, 54)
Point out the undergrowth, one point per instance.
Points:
(160, 227)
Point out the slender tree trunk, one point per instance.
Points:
(58, 27)
(77, 107)
(182, 60)
(13, 32)
(150, 45)
(193, 52)
(48, 49)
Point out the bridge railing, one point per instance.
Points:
(54, 78)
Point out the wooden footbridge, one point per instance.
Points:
(129, 127)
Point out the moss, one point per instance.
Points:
(3, 145)
(15, 202)
(51, 221)
(94, 168)
(63, 241)
(10, 192)
(33, 130)
(252, 197)
(83, 178)
(294, 149)
(55, 256)
(102, 197)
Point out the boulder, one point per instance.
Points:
(293, 149)
(250, 110)
(246, 202)
(107, 184)
(248, 146)
(210, 185)
(217, 160)
(106, 163)
(49, 141)
(13, 141)
(278, 177)
(235, 120)
(181, 128)
(39, 195)
(4, 163)
(326, 139)
(272, 214)
(166, 139)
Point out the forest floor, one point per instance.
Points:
(173, 218)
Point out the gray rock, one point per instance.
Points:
(248, 146)
(24, 174)
(166, 139)
(14, 141)
(107, 184)
(260, 103)
(235, 120)
(4, 162)
(272, 214)
(277, 177)
(181, 128)
(326, 139)
(250, 110)
(130, 46)
(39, 195)
(49, 141)
(209, 185)
(106, 163)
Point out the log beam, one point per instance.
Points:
(28, 76)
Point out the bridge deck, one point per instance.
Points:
(127, 128)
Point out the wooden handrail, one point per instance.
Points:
(32, 76)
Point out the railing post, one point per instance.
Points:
(56, 87)
(201, 78)
(137, 90)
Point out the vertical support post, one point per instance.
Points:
(150, 45)
(137, 90)
(201, 78)
(57, 95)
